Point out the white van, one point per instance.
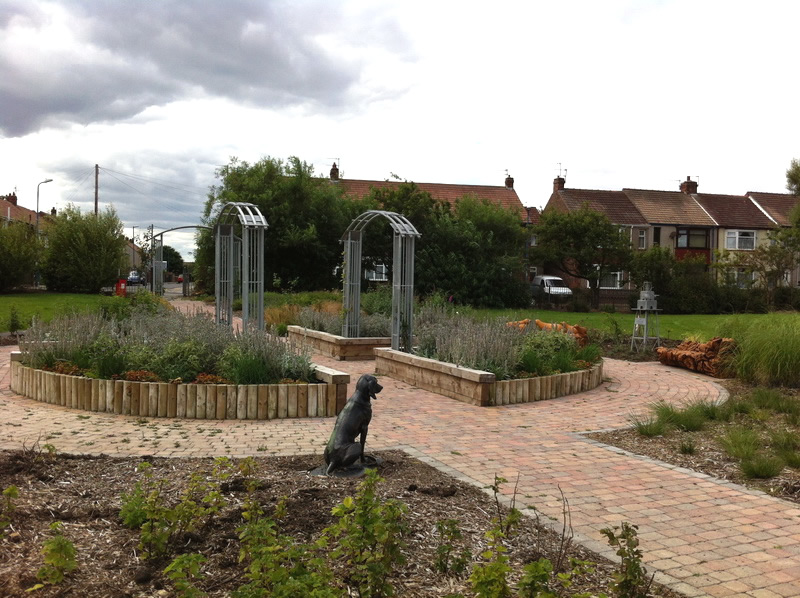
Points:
(550, 289)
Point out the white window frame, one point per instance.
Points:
(534, 241)
(619, 276)
(379, 274)
(734, 239)
(642, 239)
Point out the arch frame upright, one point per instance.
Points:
(239, 263)
(404, 237)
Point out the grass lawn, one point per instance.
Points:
(42, 305)
(697, 326)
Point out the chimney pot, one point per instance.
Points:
(11, 198)
(559, 183)
(509, 182)
(334, 172)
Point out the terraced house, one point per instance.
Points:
(686, 221)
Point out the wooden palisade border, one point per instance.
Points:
(338, 347)
(477, 387)
(190, 401)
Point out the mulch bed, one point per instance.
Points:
(85, 494)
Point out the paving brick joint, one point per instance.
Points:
(702, 536)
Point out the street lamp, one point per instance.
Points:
(37, 203)
(36, 274)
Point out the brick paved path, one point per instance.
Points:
(704, 537)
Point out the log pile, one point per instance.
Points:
(707, 358)
(579, 332)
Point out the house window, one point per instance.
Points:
(532, 272)
(612, 280)
(692, 238)
(743, 278)
(379, 274)
(642, 239)
(740, 239)
(534, 240)
(656, 236)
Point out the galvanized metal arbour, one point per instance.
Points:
(402, 277)
(239, 259)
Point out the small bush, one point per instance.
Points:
(740, 442)
(665, 412)
(784, 440)
(762, 466)
(378, 301)
(690, 419)
(768, 349)
(766, 398)
(648, 426)
(687, 447)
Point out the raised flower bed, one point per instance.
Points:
(190, 401)
(338, 347)
(478, 387)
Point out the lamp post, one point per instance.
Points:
(36, 276)
(37, 203)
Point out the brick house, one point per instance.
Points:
(686, 221)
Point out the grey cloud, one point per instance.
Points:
(258, 53)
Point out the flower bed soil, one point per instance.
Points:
(84, 493)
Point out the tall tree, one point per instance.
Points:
(793, 177)
(584, 244)
(84, 252)
(173, 259)
(306, 215)
(19, 253)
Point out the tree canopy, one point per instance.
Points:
(84, 252)
(19, 252)
(173, 259)
(793, 177)
(584, 244)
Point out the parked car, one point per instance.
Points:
(180, 277)
(550, 289)
(135, 278)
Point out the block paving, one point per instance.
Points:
(702, 536)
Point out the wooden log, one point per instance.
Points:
(283, 401)
(222, 400)
(241, 401)
(261, 412)
(62, 393)
(135, 398)
(312, 399)
(172, 400)
(110, 396)
(333, 392)
(119, 396)
(272, 401)
(126, 398)
(191, 401)
(180, 401)
(95, 395)
(252, 401)
(230, 408)
(302, 400)
(341, 398)
(200, 401)
(291, 400)
(211, 401)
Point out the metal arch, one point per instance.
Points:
(402, 277)
(239, 263)
(157, 262)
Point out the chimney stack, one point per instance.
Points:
(11, 198)
(334, 172)
(52, 211)
(509, 182)
(689, 186)
(559, 183)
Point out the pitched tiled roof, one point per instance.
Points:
(733, 211)
(502, 196)
(17, 213)
(533, 215)
(614, 204)
(669, 207)
(777, 205)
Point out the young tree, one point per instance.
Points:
(793, 177)
(584, 244)
(19, 253)
(84, 252)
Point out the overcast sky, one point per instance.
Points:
(618, 93)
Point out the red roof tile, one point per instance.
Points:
(777, 205)
(733, 211)
(614, 204)
(669, 207)
(451, 193)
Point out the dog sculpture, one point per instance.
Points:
(342, 449)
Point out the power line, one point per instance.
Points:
(162, 183)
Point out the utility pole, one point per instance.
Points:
(133, 248)
(96, 185)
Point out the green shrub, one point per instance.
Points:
(256, 358)
(740, 442)
(649, 427)
(630, 580)
(59, 558)
(768, 349)
(689, 419)
(762, 466)
(687, 447)
(378, 301)
(7, 507)
(784, 440)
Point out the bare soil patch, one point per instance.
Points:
(85, 494)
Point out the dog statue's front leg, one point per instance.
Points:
(363, 441)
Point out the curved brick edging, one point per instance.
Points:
(338, 347)
(189, 401)
(478, 387)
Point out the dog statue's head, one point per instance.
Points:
(368, 385)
